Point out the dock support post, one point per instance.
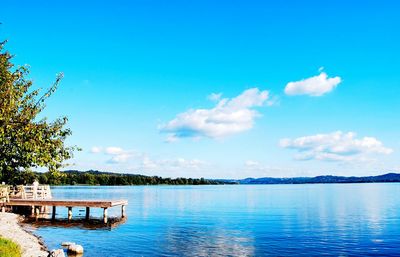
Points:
(3, 208)
(87, 213)
(33, 210)
(37, 212)
(53, 213)
(123, 211)
(69, 213)
(105, 218)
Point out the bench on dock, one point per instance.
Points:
(37, 203)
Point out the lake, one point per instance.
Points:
(239, 220)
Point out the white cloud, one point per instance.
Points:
(314, 86)
(215, 97)
(256, 169)
(251, 164)
(171, 139)
(96, 149)
(336, 146)
(116, 154)
(228, 117)
(119, 158)
(170, 164)
(274, 101)
(139, 161)
(112, 150)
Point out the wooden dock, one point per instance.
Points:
(36, 205)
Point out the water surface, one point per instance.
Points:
(240, 220)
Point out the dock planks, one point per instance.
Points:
(66, 203)
(36, 203)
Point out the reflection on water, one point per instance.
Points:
(213, 242)
(81, 223)
(259, 220)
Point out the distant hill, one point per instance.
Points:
(390, 177)
(94, 177)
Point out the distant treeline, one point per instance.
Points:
(93, 177)
(386, 178)
(73, 177)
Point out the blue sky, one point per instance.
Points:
(218, 88)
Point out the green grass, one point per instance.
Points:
(9, 249)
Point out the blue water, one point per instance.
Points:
(241, 220)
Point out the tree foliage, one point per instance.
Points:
(25, 140)
(92, 177)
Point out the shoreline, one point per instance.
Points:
(11, 228)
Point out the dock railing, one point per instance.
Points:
(37, 192)
(30, 192)
(39, 197)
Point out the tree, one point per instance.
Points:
(25, 140)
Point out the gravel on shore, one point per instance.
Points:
(11, 229)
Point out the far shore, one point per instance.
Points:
(11, 228)
(101, 178)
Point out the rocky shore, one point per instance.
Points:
(11, 229)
